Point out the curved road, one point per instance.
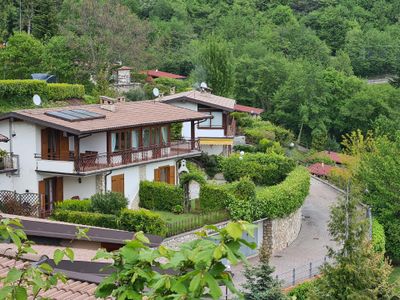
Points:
(310, 245)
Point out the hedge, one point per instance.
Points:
(25, 89)
(195, 174)
(214, 197)
(108, 203)
(86, 218)
(262, 168)
(378, 237)
(285, 198)
(75, 205)
(159, 195)
(302, 291)
(142, 220)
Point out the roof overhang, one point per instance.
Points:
(194, 100)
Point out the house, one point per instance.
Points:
(77, 151)
(216, 134)
(153, 74)
(253, 111)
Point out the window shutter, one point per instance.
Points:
(45, 143)
(171, 175)
(157, 175)
(64, 147)
(59, 189)
(42, 194)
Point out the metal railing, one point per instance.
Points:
(92, 161)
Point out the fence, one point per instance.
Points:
(197, 221)
(27, 204)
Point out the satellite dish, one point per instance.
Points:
(37, 100)
(203, 85)
(156, 92)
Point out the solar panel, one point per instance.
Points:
(74, 115)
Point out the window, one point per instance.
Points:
(135, 138)
(164, 135)
(165, 174)
(146, 137)
(215, 122)
(120, 140)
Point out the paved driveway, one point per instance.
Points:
(310, 245)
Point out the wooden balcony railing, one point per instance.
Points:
(92, 161)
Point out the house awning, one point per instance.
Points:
(216, 141)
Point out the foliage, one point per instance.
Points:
(210, 163)
(177, 209)
(195, 271)
(263, 169)
(85, 218)
(260, 283)
(61, 91)
(357, 271)
(243, 205)
(320, 157)
(214, 197)
(176, 131)
(303, 290)
(75, 205)
(108, 203)
(30, 279)
(378, 236)
(142, 220)
(195, 174)
(340, 177)
(245, 148)
(135, 94)
(378, 175)
(159, 195)
(284, 198)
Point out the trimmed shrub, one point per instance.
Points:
(245, 148)
(195, 174)
(142, 220)
(61, 91)
(243, 204)
(378, 237)
(262, 168)
(75, 205)
(212, 164)
(108, 203)
(285, 198)
(214, 197)
(159, 195)
(86, 218)
(303, 290)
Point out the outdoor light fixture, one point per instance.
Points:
(80, 180)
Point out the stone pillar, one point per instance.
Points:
(100, 183)
(266, 246)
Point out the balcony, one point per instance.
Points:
(8, 163)
(91, 161)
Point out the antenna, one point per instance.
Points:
(37, 100)
(156, 92)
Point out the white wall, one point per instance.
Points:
(85, 189)
(95, 142)
(213, 149)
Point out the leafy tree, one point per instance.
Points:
(215, 59)
(21, 57)
(357, 271)
(195, 271)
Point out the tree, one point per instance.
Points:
(215, 62)
(357, 271)
(379, 175)
(21, 57)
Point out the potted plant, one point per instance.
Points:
(3, 154)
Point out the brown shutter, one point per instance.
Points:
(42, 194)
(171, 175)
(157, 175)
(45, 143)
(64, 147)
(117, 184)
(59, 189)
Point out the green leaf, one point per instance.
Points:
(58, 256)
(234, 230)
(70, 254)
(15, 238)
(5, 291)
(215, 290)
(20, 293)
(13, 275)
(141, 237)
(46, 267)
(195, 282)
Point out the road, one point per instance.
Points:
(310, 245)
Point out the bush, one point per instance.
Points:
(75, 205)
(302, 290)
(195, 174)
(61, 91)
(214, 197)
(159, 195)
(212, 164)
(243, 204)
(135, 94)
(262, 168)
(142, 220)
(285, 198)
(245, 148)
(378, 237)
(108, 203)
(177, 209)
(86, 218)
(339, 177)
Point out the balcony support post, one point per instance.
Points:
(192, 135)
(76, 152)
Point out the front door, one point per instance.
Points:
(51, 191)
(117, 184)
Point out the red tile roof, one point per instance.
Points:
(126, 115)
(248, 109)
(3, 138)
(157, 73)
(125, 68)
(320, 169)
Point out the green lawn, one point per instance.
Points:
(170, 217)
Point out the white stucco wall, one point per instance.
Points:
(95, 142)
(85, 189)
